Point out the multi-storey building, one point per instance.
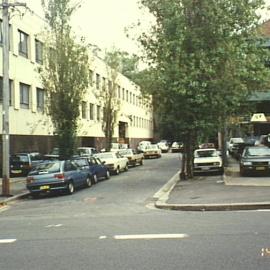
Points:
(30, 126)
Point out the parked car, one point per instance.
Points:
(86, 151)
(207, 160)
(151, 151)
(94, 166)
(134, 157)
(233, 144)
(113, 161)
(177, 147)
(163, 146)
(54, 154)
(57, 175)
(142, 145)
(255, 160)
(22, 163)
(207, 145)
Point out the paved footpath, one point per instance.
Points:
(17, 189)
(227, 192)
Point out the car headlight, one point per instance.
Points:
(247, 163)
(216, 163)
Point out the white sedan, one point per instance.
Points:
(207, 160)
(113, 161)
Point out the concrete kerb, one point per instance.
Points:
(163, 194)
(4, 202)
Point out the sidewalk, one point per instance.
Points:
(227, 192)
(17, 189)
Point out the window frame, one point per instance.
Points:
(24, 103)
(23, 51)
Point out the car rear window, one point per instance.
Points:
(48, 167)
(19, 158)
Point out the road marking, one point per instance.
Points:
(103, 237)
(54, 225)
(150, 236)
(7, 241)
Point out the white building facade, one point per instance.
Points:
(30, 126)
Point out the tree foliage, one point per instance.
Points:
(108, 96)
(65, 73)
(205, 61)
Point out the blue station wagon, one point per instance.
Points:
(57, 175)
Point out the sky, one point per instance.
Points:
(103, 22)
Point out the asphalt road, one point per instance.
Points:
(111, 226)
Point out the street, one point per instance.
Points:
(114, 226)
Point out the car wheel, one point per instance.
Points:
(70, 188)
(108, 175)
(94, 179)
(126, 168)
(141, 162)
(242, 172)
(117, 171)
(88, 181)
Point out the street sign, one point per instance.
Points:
(258, 117)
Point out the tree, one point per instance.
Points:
(65, 73)
(205, 61)
(108, 97)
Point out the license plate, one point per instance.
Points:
(16, 171)
(44, 187)
(205, 168)
(260, 168)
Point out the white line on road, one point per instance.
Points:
(54, 225)
(150, 236)
(103, 237)
(7, 241)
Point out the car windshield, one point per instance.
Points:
(258, 151)
(125, 152)
(82, 151)
(150, 147)
(105, 155)
(48, 167)
(206, 153)
(19, 158)
(237, 140)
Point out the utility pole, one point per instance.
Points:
(6, 96)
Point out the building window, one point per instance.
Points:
(23, 44)
(91, 77)
(119, 91)
(39, 51)
(91, 111)
(126, 95)
(84, 108)
(103, 83)
(40, 99)
(1, 31)
(10, 90)
(130, 97)
(98, 113)
(24, 95)
(97, 80)
(123, 93)
(110, 86)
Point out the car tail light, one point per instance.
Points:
(59, 176)
(29, 179)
